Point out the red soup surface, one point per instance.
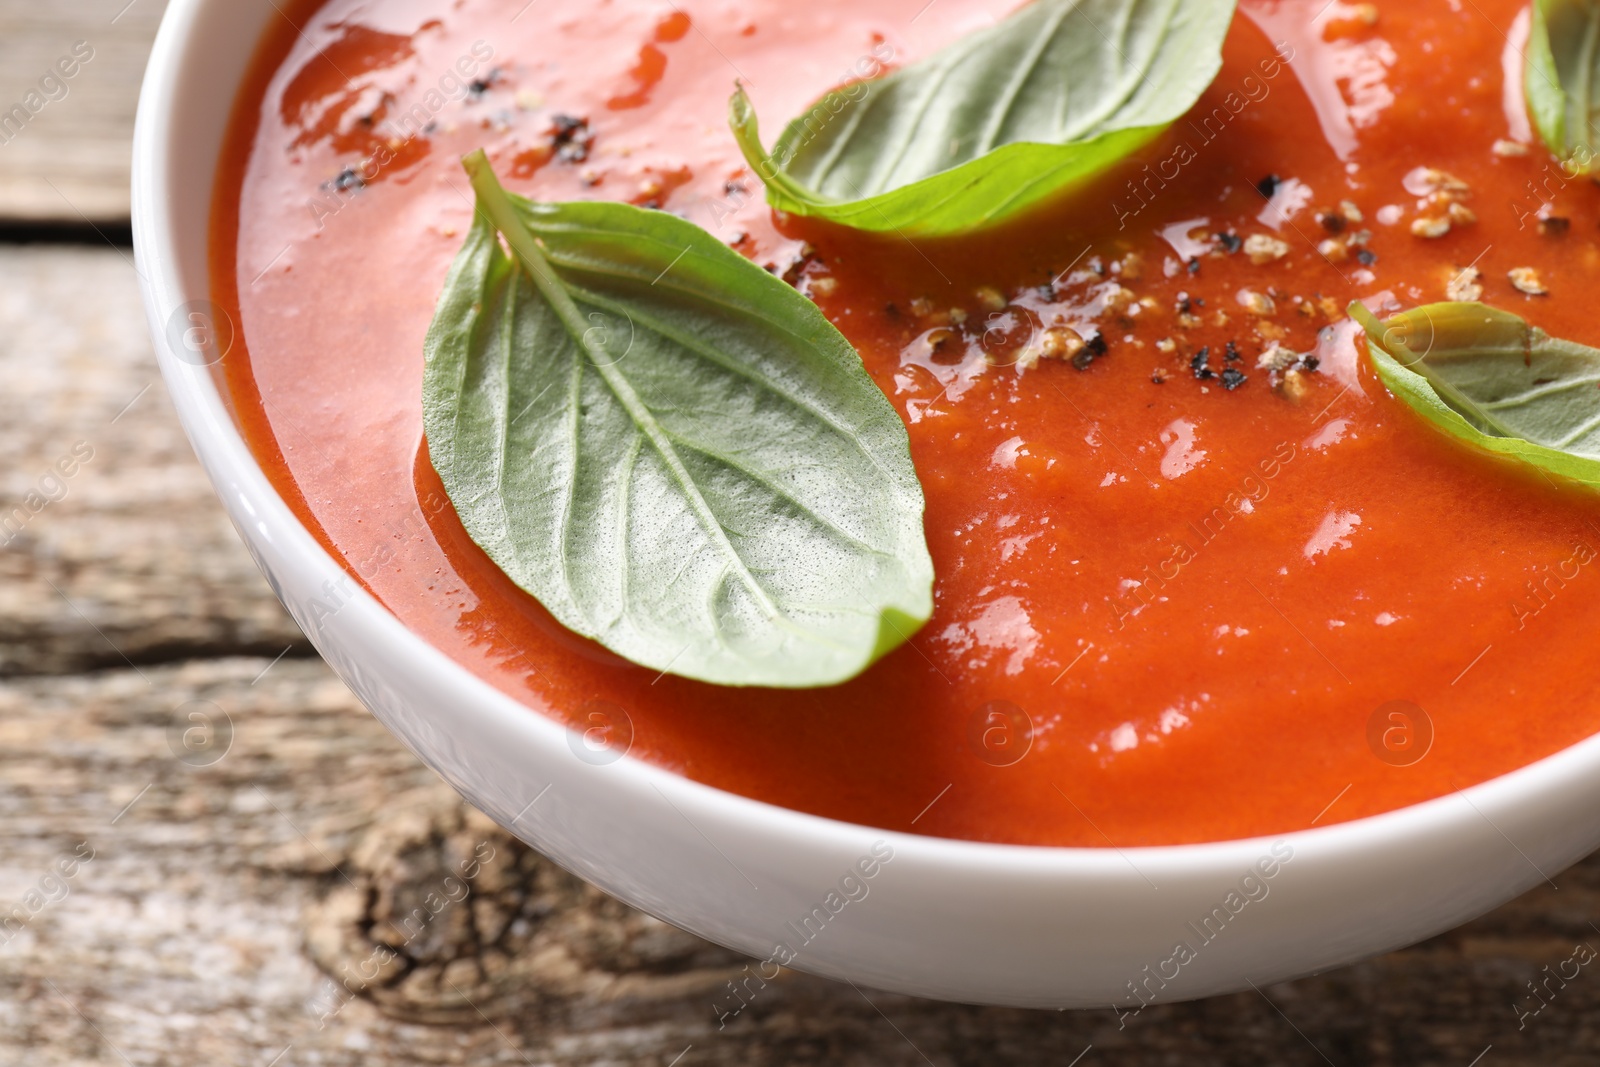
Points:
(1178, 599)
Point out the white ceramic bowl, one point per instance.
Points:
(1037, 927)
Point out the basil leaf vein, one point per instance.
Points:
(997, 121)
(1487, 376)
(672, 450)
(1562, 80)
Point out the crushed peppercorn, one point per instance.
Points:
(570, 137)
(1093, 349)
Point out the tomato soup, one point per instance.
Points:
(1199, 576)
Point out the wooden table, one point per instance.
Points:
(243, 839)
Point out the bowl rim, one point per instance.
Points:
(203, 407)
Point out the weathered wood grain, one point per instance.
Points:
(69, 160)
(130, 559)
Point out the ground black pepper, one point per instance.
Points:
(571, 138)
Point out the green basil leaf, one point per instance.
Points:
(672, 450)
(996, 122)
(1562, 79)
(1488, 377)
